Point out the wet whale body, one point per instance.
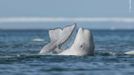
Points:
(58, 37)
(83, 43)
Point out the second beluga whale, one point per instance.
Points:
(57, 38)
(83, 43)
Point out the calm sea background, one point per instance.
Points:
(19, 54)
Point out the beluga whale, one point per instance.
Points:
(83, 43)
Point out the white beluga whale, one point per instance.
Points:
(83, 43)
(57, 38)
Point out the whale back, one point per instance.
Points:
(57, 38)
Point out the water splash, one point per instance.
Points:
(37, 40)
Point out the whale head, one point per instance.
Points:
(83, 44)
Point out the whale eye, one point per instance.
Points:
(81, 46)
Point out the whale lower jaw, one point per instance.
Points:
(74, 52)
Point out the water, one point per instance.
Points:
(18, 55)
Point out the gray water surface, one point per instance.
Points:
(19, 55)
